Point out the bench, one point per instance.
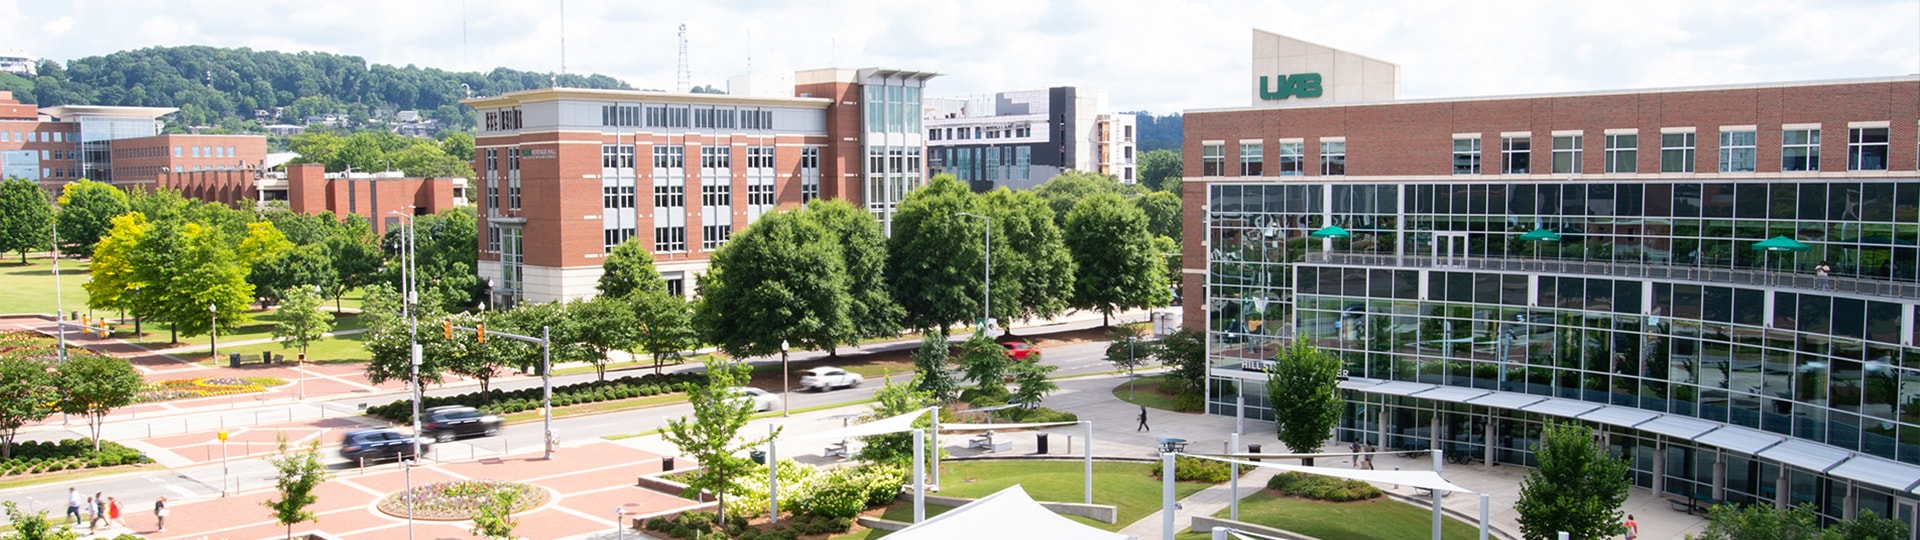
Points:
(998, 447)
(1691, 503)
(984, 442)
(838, 449)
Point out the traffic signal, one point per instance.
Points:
(446, 327)
(481, 329)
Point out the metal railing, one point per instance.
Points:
(1704, 274)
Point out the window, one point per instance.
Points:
(1516, 155)
(491, 163)
(616, 156)
(615, 237)
(1250, 156)
(620, 115)
(1466, 155)
(1800, 150)
(1213, 160)
(230, 152)
(1292, 158)
(196, 151)
(1333, 158)
(670, 238)
(176, 151)
(1737, 151)
(716, 157)
(665, 197)
(756, 119)
(759, 157)
(712, 236)
(809, 174)
(713, 195)
(1623, 153)
(656, 116)
(493, 239)
(1867, 149)
(613, 197)
(1567, 153)
(1676, 152)
(669, 157)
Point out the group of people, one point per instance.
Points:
(99, 509)
(1362, 456)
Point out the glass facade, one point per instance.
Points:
(894, 140)
(1653, 300)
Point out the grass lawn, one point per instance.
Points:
(335, 350)
(29, 287)
(1378, 518)
(260, 328)
(1121, 484)
(1146, 391)
(599, 407)
(68, 477)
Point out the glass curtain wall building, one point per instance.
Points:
(1472, 302)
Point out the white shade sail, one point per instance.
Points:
(1009, 513)
(891, 424)
(982, 427)
(1419, 479)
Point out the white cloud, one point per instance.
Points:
(1149, 54)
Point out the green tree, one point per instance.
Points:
(1185, 350)
(302, 267)
(1578, 489)
(26, 387)
(712, 436)
(935, 255)
(862, 249)
(600, 325)
(299, 322)
(494, 518)
(664, 325)
(1032, 269)
(932, 375)
(890, 400)
(1065, 191)
(113, 283)
(26, 218)
(1116, 267)
(1160, 169)
(1869, 526)
(628, 269)
(1163, 213)
(777, 282)
(94, 385)
(459, 145)
(1030, 382)
(985, 363)
(184, 269)
(465, 355)
(299, 475)
(448, 252)
(87, 209)
(1306, 401)
(1127, 350)
(35, 526)
(263, 242)
(354, 257)
(389, 337)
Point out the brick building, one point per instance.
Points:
(118, 145)
(1598, 258)
(566, 174)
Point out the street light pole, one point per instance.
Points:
(986, 309)
(410, 295)
(213, 330)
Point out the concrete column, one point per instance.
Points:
(1166, 496)
(1781, 490)
(919, 475)
(1433, 434)
(1488, 447)
(1720, 476)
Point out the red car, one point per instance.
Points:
(1020, 350)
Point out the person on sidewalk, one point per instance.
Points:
(73, 504)
(96, 511)
(113, 513)
(1143, 421)
(160, 512)
(1633, 528)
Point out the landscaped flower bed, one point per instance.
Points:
(27, 345)
(204, 387)
(459, 499)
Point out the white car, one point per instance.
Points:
(762, 400)
(828, 378)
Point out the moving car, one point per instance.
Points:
(762, 400)
(1020, 350)
(450, 422)
(379, 444)
(828, 378)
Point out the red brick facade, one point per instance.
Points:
(142, 160)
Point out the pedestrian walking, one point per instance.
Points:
(73, 504)
(1823, 279)
(160, 512)
(1633, 528)
(96, 511)
(1354, 448)
(1367, 460)
(113, 513)
(1143, 421)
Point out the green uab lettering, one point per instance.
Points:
(1303, 85)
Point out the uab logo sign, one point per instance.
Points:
(1301, 85)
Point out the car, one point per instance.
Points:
(828, 378)
(380, 444)
(444, 424)
(762, 399)
(1020, 350)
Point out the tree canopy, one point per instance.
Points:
(935, 256)
(1065, 191)
(26, 217)
(1032, 269)
(1578, 489)
(1306, 403)
(378, 150)
(87, 209)
(1160, 170)
(777, 282)
(1116, 265)
(862, 249)
(628, 269)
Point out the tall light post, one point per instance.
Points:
(986, 309)
(213, 330)
(59, 306)
(410, 292)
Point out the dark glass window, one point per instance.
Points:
(1486, 288)
(1573, 200)
(1497, 199)
(1384, 197)
(1626, 296)
(1810, 204)
(1459, 287)
(1600, 200)
(1781, 206)
(1785, 305)
(1422, 199)
(1843, 201)
(1380, 284)
(1686, 302)
(1629, 200)
(1521, 197)
(1406, 284)
(1849, 317)
(1717, 200)
(1717, 304)
(1353, 282)
(1877, 204)
(1572, 291)
(1686, 200)
(1907, 199)
(1883, 322)
(1749, 306)
(1513, 290)
(1752, 201)
(1659, 199)
(1549, 200)
(1546, 295)
(1309, 280)
(1816, 314)
(1437, 286)
(1599, 295)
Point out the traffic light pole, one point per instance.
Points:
(546, 376)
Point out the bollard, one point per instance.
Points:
(666, 463)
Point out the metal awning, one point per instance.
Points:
(1506, 400)
(1357, 384)
(1619, 416)
(1679, 427)
(1452, 394)
(1566, 408)
(1744, 440)
(1878, 471)
(1810, 456)
(1398, 388)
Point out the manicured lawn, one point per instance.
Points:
(28, 288)
(260, 328)
(1125, 485)
(1368, 520)
(1146, 391)
(335, 350)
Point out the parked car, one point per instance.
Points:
(450, 422)
(379, 444)
(1020, 350)
(828, 378)
(762, 399)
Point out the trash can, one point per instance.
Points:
(266, 357)
(233, 360)
(1253, 449)
(759, 456)
(1040, 442)
(666, 463)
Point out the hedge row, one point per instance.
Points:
(692, 525)
(526, 399)
(34, 457)
(1193, 469)
(1325, 488)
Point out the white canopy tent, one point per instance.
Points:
(1009, 513)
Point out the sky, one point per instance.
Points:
(1154, 55)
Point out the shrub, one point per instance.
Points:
(526, 399)
(1324, 488)
(1193, 469)
(1040, 414)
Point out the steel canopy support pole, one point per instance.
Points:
(1233, 478)
(1436, 496)
(919, 475)
(773, 478)
(1484, 524)
(1166, 495)
(546, 387)
(936, 448)
(1086, 447)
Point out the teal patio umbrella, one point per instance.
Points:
(1779, 243)
(1538, 235)
(1331, 231)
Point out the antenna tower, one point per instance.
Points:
(685, 80)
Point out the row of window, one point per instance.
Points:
(59, 173)
(58, 154)
(1867, 150)
(505, 119)
(35, 136)
(206, 151)
(681, 116)
(979, 132)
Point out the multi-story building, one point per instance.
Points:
(118, 145)
(1022, 139)
(1592, 257)
(308, 188)
(682, 172)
